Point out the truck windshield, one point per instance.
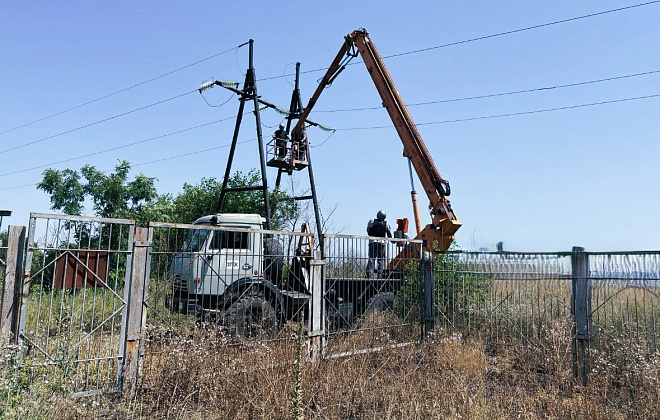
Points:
(194, 240)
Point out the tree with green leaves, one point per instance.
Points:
(115, 195)
(112, 195)
(202, 199)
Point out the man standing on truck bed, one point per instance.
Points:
(380, 228)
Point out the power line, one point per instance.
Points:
(332, 132)
(224, 146)
(528, 28)
(125, 145)
(117, 147)
(512, 114)
(481, 38)
(122, 90)
(17, 186)
(493, 95)
(20, 146)
(346, 129)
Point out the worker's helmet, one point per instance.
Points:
(281, 126)
(381, 215)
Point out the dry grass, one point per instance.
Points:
(515, 363)
(202, 377)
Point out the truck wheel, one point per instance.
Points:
(252, 317)
(273, 260)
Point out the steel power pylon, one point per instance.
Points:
(289, 154)
(299, 157)
(249, 93)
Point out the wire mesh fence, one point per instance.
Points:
(234, 290)
(502, 298)
(372, 292)
(74, 299)
(625, 317)
(3, 259)
(533, 301)
(235, 283)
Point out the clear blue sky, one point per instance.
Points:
(545, 181)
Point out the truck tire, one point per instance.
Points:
(252, 317)
(273, 260)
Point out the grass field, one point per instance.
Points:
(202, 378)
(498, 352)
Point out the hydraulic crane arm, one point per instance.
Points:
(444, 222)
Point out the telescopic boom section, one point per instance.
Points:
(444, 222)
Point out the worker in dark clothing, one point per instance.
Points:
(280, 142)
(377, 227)
(299, 146)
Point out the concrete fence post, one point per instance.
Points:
(13, 285)
(428, 287)
(316, 330)
(581, 312)
(136, 315)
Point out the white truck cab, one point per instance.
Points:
(224, 250)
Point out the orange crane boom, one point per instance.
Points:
(444, 223)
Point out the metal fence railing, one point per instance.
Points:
(604, 308)
(3, 259)
(74, 299)
(502, 298)
(104, 301)
(236, 285)
(372, 291)
(199, 273)
(625, 308)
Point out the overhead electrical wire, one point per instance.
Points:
(18, 186)
(122, 90)
(123, 146)
(316, 70)
(219, 105)
(324, 141)
(128, 144)
(484, 117)
(20, 146)
(481, 38)
(528, 28)
(493, 95)
(512, 114)
(224, 146)
(348, 129)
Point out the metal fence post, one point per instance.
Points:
(12, 289)
(581, 311)
(428, 288)
(316, 330)
(136, 316)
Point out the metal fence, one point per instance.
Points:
(101, 300)
(3, 257)
(372, 292)
(624, 293)
(244, 282)
(225, 287)
(602, 307)
(73, 300)
(502, 298)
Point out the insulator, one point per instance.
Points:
(229, 84)
(206, 85)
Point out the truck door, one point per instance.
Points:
(234, 257)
